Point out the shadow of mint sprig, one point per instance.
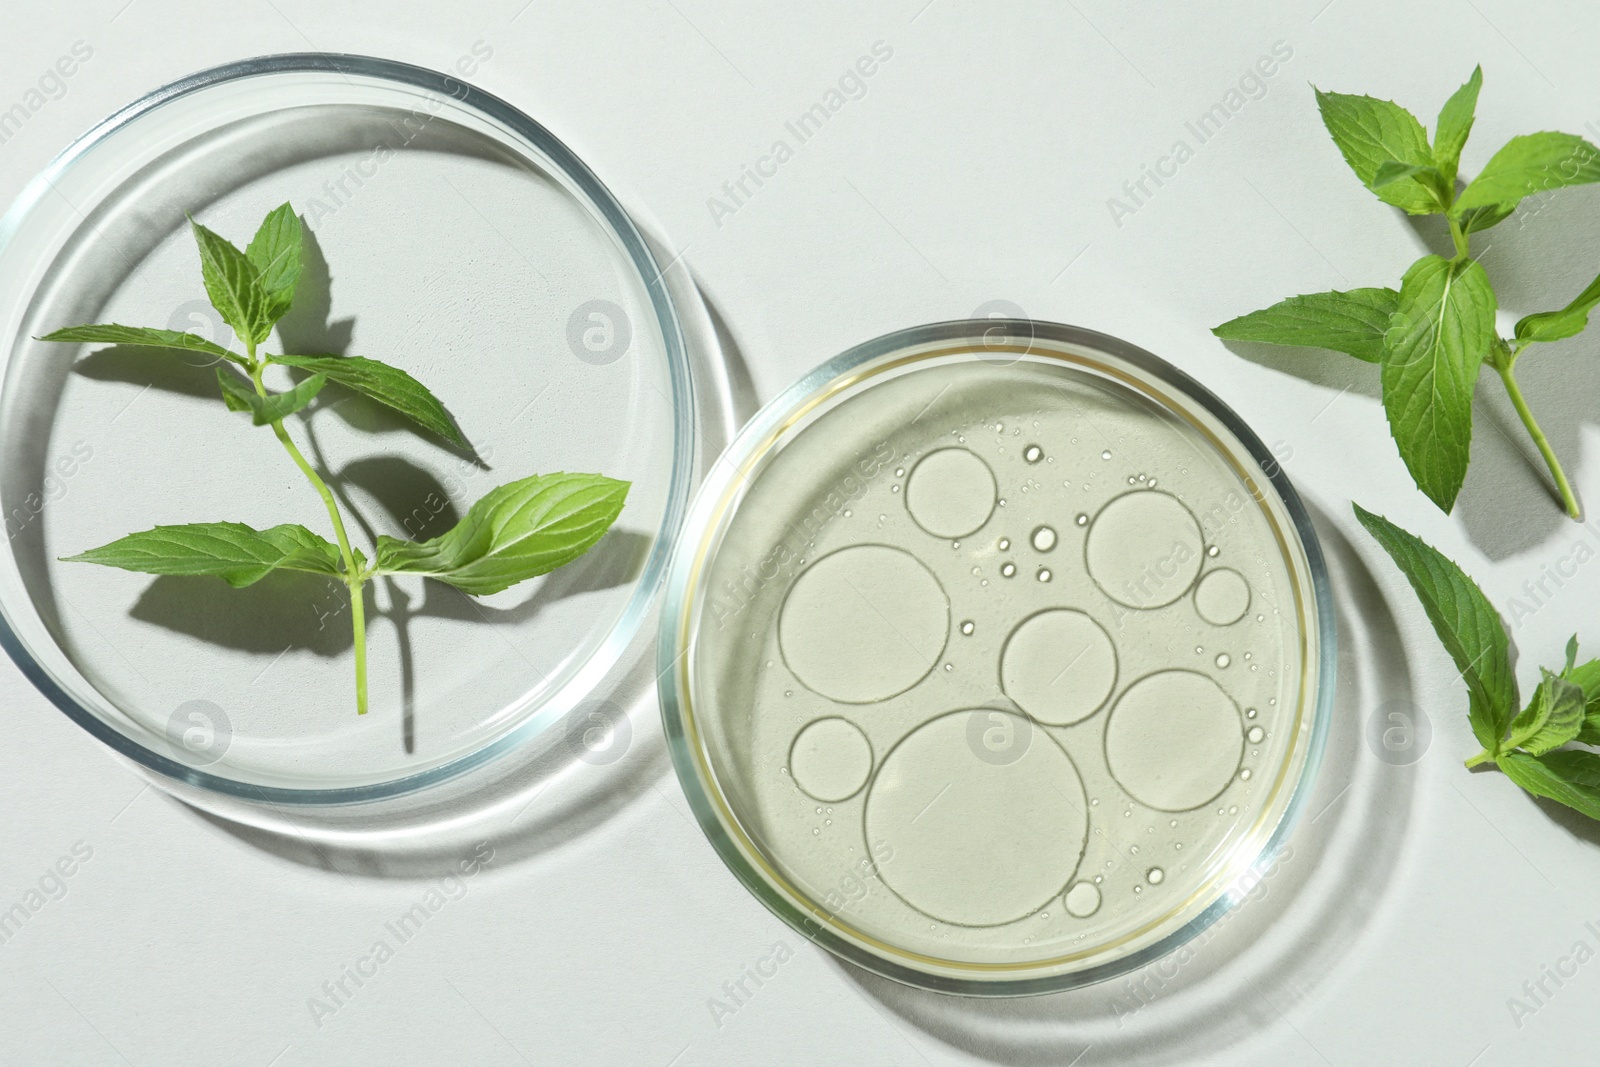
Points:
(1432, 336)
(1527, 744)
(515, 532)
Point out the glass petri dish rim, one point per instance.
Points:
(675, 638)
(609, 210)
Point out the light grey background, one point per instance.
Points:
(976, 166)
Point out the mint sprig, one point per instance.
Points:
(516, 532)
(1529, 745)
(1439, 329)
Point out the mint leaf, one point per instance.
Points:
(1569, 777)
(1393, 171)
(234, 285)
(1570, 320)
(1353, 323)
(237, 395)
(1532, 163)
(1552, 718)
(275, 253)
(387, 385)
(1455, 123)
(1587, 676)
(230, 550)
(1580, 768)
(1434, 348)
(1481, 218)
(1467, 624)
(1372, 132)
(274, 407)
(113, 334)
(1531, 718)
(515, 532)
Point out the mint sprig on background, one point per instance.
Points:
(515, 532)
(1529, 744)
(1432, 336)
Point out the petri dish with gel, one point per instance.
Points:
(995, 655)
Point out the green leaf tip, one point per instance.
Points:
(1531, 164)
(388, 385)
(1558, 325)
(1372, 133)
(1351, 322)
(1454, 125)
(232, 551)
(140, 336)
(1467, 625)
(276, 252)
(233, 284)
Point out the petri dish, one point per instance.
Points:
(996, 655)
(447, 233)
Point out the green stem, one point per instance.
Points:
(1503, 360)
(354, 579)
(358, 627)
(1483, 757)
(1458, 236)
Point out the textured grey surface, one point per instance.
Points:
(974, 164)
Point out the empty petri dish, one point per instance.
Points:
(448, 234)
(1057, 787)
